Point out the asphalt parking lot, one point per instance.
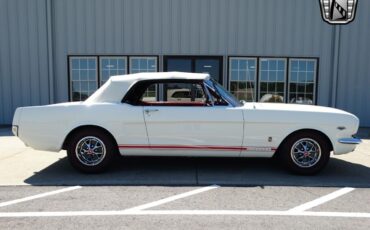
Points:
(40, 190)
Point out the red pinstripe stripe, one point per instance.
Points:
(199, 147)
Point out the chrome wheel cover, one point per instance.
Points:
(305, 152)
(90, 151)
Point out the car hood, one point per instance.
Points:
(297, 108)
(300, 116)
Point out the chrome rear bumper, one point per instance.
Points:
(353, 141)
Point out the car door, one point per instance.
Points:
(189, 128)
(130, 129)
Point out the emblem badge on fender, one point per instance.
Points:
(338, 11)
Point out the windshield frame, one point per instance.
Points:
(226, 95)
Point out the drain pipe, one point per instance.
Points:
(50, 51)
(335, 66)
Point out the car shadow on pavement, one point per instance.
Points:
(182, 171)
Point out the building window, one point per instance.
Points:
(242, 78)
(272, 78)
(111, 66)
(145, 64)
(276, 81)
(302, 79)
(83, 77)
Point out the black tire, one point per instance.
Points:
(290, 159)
(91, 134)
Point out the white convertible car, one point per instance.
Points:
(133, 115)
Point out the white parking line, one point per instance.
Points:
(39, 196)
(184, 212)
(172, 198)
(140, 210)
(321, 200)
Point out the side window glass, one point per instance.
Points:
(150, 94)
(175, 94)
(184, 92)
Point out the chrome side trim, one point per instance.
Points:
(353, 141)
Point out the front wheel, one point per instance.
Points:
(306, 152)
(91, 151)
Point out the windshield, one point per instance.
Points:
(224, 93)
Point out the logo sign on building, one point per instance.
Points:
(338, 11)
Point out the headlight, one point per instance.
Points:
(15, 130)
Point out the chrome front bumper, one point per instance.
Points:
(352, 141)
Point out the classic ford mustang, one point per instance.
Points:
(184, 114)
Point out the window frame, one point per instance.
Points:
(70, 69)
(230, 58)
(285, 76)
(101, 57)
(98, 58)
(148, 83)
(288, 58)
(315, 78)
(156, 89)
(161, 61)
(155, 58)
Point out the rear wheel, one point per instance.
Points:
(91, 150)
(305, 152)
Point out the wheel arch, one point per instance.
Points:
(82, 127)
(302, 131)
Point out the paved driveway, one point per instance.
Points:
(185, 193)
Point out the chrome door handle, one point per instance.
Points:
(148, 111)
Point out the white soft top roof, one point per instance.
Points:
(117, 86)
(159, 75)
